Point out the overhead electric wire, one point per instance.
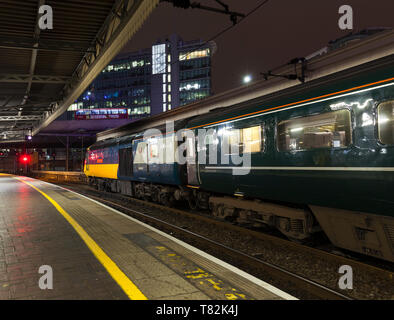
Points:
(240, 21)
(223, 31)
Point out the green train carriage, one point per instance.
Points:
(322, 156)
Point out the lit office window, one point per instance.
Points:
(169, 88)
(169, 78)
(164, 78)
(158, 59)
(169, 98)
(164, 87)
(190, 86)
(193, 55)
(164, 98)
(169, 68)
(164, 107)
(169, 107)
(169, 58)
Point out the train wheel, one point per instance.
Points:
(192, 201)
(166, 199)
(155, 193)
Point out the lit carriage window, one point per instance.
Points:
(206, 139)
(386, 122)
(245, 140)
(251, 139)
(231, 140)
(326, 130)
(209, 138)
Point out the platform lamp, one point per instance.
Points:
(247, 79)
(29, 136)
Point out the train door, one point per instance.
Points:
(126, 162)
(191, 161)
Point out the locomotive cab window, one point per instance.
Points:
(386, 122)
(326, 130)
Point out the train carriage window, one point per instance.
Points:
(153, 154)
(141, 155)
(245, 140)
(209, 137)
(169, 146)
(251, 139)
(326, 130)
(386, 122)
(206, 138)
(234, 140)
(231, 141)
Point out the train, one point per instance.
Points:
(9, 162)
(320, 159)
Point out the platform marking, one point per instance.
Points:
(207, 282)
(219, 262)
(121, 279)
(198, 276)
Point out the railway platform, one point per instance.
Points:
(56, 244)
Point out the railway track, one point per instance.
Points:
(287, 279)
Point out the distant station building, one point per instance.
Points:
(171, 73)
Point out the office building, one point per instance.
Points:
(169, 74)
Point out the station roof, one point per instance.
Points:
(42, 72)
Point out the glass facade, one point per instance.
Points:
(194, 76)
(130, 82)
(159, 59)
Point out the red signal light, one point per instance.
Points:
(25, 158)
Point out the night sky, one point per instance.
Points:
(278, 32)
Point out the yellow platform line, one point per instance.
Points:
(121, 279)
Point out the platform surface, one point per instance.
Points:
(95, 252)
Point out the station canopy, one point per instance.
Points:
(43, 70)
